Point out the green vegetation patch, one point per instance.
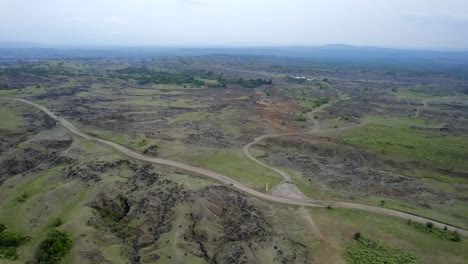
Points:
(366, 250)
(412, 144)
(429, 228)
(11, 117)
(146, 76)
(191, 116)
(321, 101)
(116, 212)
(9, 242)
(134, 141)
(54, 247)
(196, 78)
(250, 83)
(37, 70)
(236, 165)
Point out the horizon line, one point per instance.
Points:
(28, 44)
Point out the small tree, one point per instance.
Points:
(56, 222)
(429, 225)
(54, 247)
(456, 236)
(357, 235)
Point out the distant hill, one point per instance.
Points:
(31, 51)
(19, 45)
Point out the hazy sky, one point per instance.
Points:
(391, 23)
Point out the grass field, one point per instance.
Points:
(422, 93)
(11, 117)
(339, 225)
(453, 213)
(397, 139)
(235, 164)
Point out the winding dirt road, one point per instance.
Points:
(233, 183)
(418, 109)
(285, 175)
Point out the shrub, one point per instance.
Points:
(357, 235)
(9, 242)
(54, 247)
(22, 198)
(429, 224)
(56, 222)
(456, 237)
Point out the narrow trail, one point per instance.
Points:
(235, 184)
(418, 109)
(285, 175)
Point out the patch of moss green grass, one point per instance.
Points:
(236, 165)
(367, 250)
(406, 143)
(453, 214)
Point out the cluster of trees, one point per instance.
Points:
(54, 247)
(146, 76)
(40, 71)
(249, 83)
(321, 101)
(51, 250)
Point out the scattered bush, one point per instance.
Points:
(324, 87)
(437, 232)
(22, 198)
(321, 101)
(54, 247)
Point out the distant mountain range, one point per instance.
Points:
(31, 51)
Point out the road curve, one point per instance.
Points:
(285, 175)
(235, 184)
(418, 109)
